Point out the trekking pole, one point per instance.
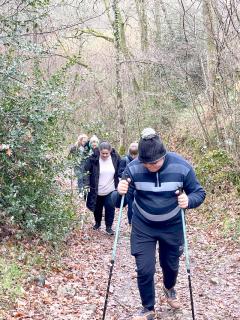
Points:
(113, 255)
(187, 256)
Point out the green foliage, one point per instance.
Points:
(216, 170)
(99, 128)
(10, 280)
(26, 263)
(31, 146)
(219, 175)
(235, 178)
(122, 151)
(231, 226)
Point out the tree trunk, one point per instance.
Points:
(166, 18)
(120, 108)
(212, 64)
(141, 5)
(157, 18)
(143, 25)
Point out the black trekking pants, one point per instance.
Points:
(143, 246)
(104, 202)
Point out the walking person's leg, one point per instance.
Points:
(80, 183)
(78, 174)
(143, 247)
(109, 213)
(129, 212)
(98, 212)
(169, 254)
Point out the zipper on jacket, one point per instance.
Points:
(158, 180)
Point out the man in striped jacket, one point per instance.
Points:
(153, 180)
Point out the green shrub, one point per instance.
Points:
(216, 170)
(31, 143)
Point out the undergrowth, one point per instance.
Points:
(220, 177)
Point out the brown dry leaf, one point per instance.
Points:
(83, 271)
(9, 152)
(18, 314)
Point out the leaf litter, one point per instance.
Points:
(76, 288)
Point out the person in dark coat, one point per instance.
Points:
(102, 179)
(79, 151)
(154, 179)
(132, 154)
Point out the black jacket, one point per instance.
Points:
(91, 170)
(123, 163)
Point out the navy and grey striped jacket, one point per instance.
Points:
(154, 192)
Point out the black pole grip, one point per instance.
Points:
(125, 176)
(180, 189)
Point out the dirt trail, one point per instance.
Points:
(76, 291)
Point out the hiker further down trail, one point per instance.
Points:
(153, 180)
(92, 144)
(101, 177)
(80, 152)
(132, 154)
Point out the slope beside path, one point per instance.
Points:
(76, 290)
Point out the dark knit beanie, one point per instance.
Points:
(150, 146)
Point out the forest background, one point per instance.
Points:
(111, 68)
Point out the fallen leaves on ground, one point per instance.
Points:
(75, 289)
